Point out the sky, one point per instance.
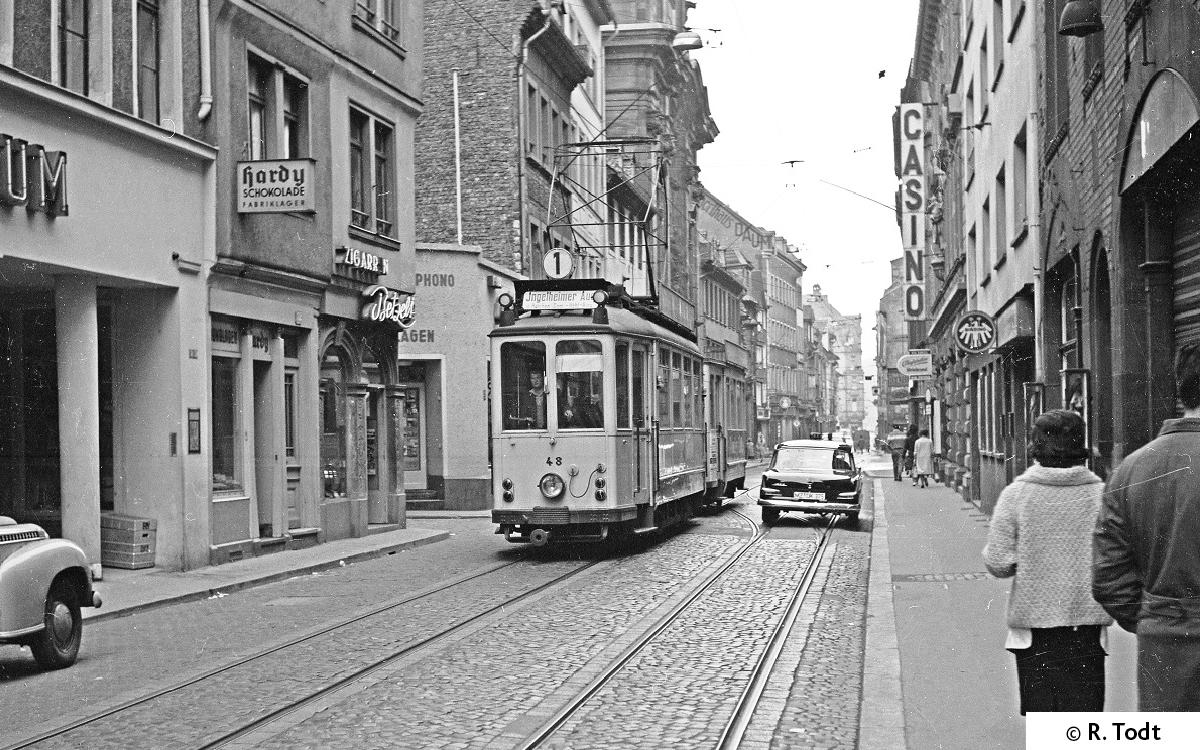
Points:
(798, 79)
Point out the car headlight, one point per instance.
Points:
(847, 495)
(551, 486)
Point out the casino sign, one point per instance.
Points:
(975, 332)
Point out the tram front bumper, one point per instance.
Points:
(551, 517)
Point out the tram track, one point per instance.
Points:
(356, 675)
(747, 702)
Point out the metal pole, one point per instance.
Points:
(457, 162)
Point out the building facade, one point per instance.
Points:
(845, 333)
(307, 297)
(102, 361)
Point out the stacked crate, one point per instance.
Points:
(127, 541)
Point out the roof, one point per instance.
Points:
(826, 444)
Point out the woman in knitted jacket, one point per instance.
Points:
(1041, 533)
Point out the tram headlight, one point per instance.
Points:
(505, 299)
(600, 495)
(601, 481)
(508, 496)
(600, 296)
(506, 484)
(551, 486)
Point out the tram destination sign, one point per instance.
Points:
(559, 299)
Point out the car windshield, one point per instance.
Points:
(811, 459)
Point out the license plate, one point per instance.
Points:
(810, 495)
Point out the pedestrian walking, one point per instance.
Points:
(895, 444)
(1146, 564)
(910, 442)
(1041, 536)
(922, 459)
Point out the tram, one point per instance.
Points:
(599, 417)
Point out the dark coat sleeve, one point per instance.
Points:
(1116, 580)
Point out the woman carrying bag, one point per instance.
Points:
(1041, 536)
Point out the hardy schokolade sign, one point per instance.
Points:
(276, 186)
(912, 208)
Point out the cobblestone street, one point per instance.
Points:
(495, 681)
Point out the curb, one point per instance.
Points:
(882, 686)
(252, 581)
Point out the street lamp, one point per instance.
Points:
(1080, 18)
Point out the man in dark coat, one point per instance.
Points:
(1146, 557)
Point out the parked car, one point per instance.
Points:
(43, 584)
(811, 476)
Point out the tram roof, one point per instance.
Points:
(620, 322)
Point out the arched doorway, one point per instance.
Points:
(1102, 343)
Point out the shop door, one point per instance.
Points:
(1185, 264)
(415, 469)
(266, 456)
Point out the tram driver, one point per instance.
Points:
(530, 411)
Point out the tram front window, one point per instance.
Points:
(523, 385)
(580, 369)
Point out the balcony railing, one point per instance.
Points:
(676, 307)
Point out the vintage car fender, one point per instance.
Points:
(25, 579)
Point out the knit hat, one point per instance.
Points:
(1059, 435)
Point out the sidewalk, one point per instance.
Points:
(958, 685)
(127, 591)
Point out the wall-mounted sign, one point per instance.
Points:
(32, 177)
(975, 332)
(193, 431)
(561, 299)
(912, 208)
(352, 257)
(389, 306)
(276, 186)
(918, 363)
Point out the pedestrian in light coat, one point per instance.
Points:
(1146, 570)
(895, 444)
(1040, 535)
(922, 459)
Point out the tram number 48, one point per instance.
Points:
(556, 461)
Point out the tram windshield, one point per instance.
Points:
(579, 366)
(523, 385)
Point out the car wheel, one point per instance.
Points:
(770, 515)
(57, 645)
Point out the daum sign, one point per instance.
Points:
(385, 305)
(912, 208)
(32, 177)
(276, 186)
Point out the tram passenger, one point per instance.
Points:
(531, 403)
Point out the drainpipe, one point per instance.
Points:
(206, 98)
(457, 162)
(1033, 145)
(521, 109)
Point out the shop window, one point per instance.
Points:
(579, 367)
(73, 45)
(523, 394)
(333, 424)
(623, 406)
(148, 59)
(371, 166)
(1068, 301)
(225, 471)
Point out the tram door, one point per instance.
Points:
(639, 396)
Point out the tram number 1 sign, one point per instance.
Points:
(558, 263)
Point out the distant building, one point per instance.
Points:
(846, 333)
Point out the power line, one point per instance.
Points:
(486, 30)
(860, 195)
